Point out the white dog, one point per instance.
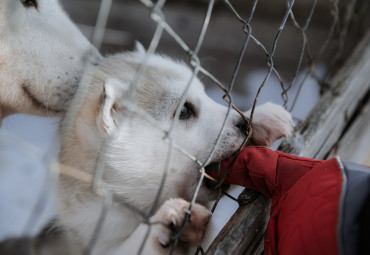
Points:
(136, 153)
(42, 55)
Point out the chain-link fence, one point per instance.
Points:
(288, 42)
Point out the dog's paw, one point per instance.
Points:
(271, 122)
(169, 219)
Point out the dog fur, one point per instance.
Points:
(135, 152)
(42, 55)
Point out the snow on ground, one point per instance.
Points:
(26, 191)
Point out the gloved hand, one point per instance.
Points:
(305, 197)
(264, 170)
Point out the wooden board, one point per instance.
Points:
(355, 143)
(244, 235)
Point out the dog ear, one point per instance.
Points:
(111, 105)
(270, 122)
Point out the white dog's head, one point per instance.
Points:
(134, 127)
(137, 151)
(42, 54)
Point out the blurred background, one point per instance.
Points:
(130, 21)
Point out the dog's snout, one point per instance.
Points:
(242, 125)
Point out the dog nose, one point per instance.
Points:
(243, 125)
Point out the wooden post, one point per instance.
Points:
(244, 234)
(354, 145)
(315, 137)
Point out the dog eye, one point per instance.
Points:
(187, 111)
(30, 3)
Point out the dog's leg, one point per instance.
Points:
(270, 122)
(166, 223)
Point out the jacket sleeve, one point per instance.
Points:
(305, 196)
(264, 170)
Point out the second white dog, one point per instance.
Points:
(42, 55)
(136, 153)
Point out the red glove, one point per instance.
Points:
(305, 197)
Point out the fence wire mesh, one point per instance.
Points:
(340, 13)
